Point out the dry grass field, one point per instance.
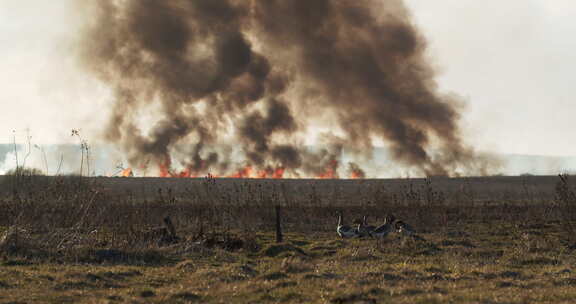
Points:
(103, 240)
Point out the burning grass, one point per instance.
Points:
(74, 240)
(165, 170)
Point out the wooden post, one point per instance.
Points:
(170, 227)
(278, 225)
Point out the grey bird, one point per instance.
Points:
(345, 231)
(364, 229)
(384, 229)
(406, 230)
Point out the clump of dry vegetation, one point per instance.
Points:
(74, 239)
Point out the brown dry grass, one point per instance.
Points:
(79, 240)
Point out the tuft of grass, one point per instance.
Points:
(282, 250)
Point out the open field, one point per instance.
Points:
(484, 240)
(357, 192)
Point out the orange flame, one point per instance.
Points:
(127, 173)
(270, 172)
(355, 171)
(184, 174)
(245, 172)
(356, 175)
(165, 168)
(330, 172)
(262, 174)
(279, 173)
(165, 171)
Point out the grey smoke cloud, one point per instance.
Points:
(264, 71)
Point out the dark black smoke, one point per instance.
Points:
(252, 76)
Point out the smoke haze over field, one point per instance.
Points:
(513, 69)
(259, 76)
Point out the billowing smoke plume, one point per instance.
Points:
(256, 76)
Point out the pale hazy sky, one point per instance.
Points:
(513, 61)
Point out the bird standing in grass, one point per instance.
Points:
(384, 229)
(364, 229)
(406, 230)
(345, 231)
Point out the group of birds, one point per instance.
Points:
(362, 228)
